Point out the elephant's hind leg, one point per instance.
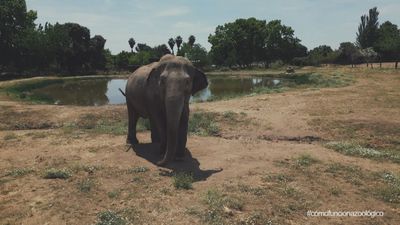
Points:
(132, 118)
(155, 132)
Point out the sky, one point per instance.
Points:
(315, 22)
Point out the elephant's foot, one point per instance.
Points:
(162, 162)
(132, 141)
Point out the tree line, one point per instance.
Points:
(26, 47)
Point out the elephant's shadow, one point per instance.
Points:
(150, 152)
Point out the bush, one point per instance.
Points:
(183, 180)
(53, 173)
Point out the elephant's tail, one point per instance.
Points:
(122, 92)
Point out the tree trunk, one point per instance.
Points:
(380, 63)
(395, 65)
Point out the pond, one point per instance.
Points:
(103, 91)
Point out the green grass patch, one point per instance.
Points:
(19, 172)
(86, 185)
(183, 180)
(279, 178)
(257, 191)
(125, 216)
(53, 173)
(354, 149)
(110, 218)
(139, 169)
(113, 194)
(203, 124)
(305, 160)
(10, 136)
(23, 90)
(219, 206)
(391, 191)
(99, 125)
(336, 191)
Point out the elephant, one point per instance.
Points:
(161, 91)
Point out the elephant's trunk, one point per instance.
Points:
(174, 107)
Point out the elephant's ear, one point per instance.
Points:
(199, 80)
(155, 73)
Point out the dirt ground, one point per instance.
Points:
(268, 164)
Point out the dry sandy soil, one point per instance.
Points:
(268, 163)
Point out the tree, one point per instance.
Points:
(191, 40)
(160, 51)
(247, 41)
(132, 43)
(349, 54)
(320, 54)
(367, 34)
(281, 43)
(122, 60)
(198, 56)
(76, 52)
(142, 47)
(238, 43)
(15, 22)
(98, 59)
(171, 43)
(178, 41)
(388, 44)
(369, 55)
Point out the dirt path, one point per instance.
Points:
(269, 168)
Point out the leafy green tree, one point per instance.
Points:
(178, 41)
(142, 47)
(320, 55)
(388, 44)
(15, 22)
(349, 54)
(197, 54)
(160, 50)
(247, 41)
(369, 55)
(132, 43)
(238, 43)
(110, 59)
(122, 60)
(98, 60)
(191, 40)
(367, 34)
(171, 43)
(281, 43)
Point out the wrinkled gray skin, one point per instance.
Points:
(161, 91)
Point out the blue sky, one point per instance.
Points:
(153, 22)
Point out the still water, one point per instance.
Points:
(102, 91)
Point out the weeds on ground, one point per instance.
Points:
(183, 180)
(19, 172)
(354, 149)
(53, 173)
(86, 185)
(203, 124)
(305, 160)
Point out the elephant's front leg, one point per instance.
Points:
(182, 133)
(158, 131)
(132, 120)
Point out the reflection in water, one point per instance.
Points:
(102, 91)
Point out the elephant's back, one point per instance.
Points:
(136, 89)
